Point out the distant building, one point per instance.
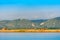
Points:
(4, 28)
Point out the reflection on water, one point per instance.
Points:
(29, 36)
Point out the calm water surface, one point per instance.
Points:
(29, 36)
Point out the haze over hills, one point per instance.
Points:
(53, 23)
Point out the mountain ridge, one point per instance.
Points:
(53, 23)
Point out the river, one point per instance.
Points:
(29, 36)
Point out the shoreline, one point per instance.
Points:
(31, 30)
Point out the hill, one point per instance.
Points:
(53, 23)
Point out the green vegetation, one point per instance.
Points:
(31, 24)
(52, 23)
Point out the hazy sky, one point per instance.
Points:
(29, 9)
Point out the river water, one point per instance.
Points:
(29, 36)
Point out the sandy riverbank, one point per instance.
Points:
(30, 30)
